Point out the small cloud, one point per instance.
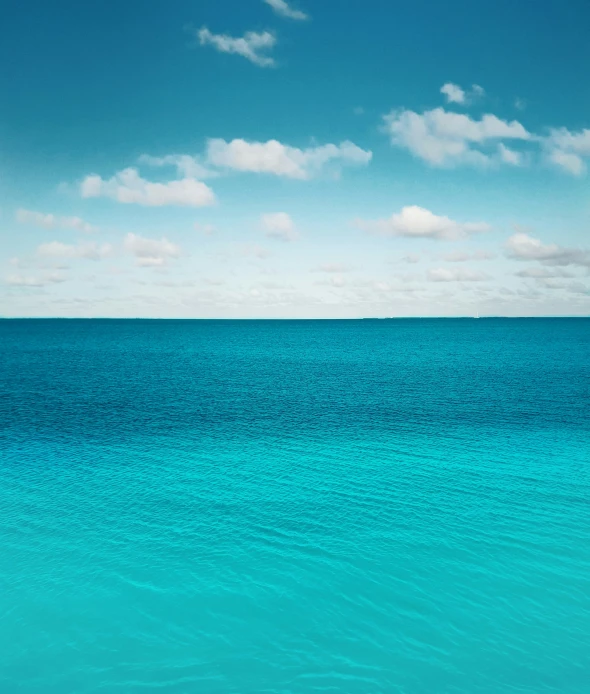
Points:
(51, 221)
(417, 222)
(453, 93)
(252, 45)
(88, 251)
(358, 110)
(462, 275)
(567, 149)
(519, 104)
(31, 281)
(151, 252)
(129, 187)
(279, 225)
(282, 8)
(206, 229)
(463, 257)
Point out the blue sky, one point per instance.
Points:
(265, 158)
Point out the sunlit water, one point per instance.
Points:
(288, 507)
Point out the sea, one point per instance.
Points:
(283, 507)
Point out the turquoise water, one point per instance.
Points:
(295, 506)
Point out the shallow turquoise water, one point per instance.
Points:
(295, 506)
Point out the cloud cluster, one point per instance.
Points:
(282, 8)
(253, 45)
(524, 247)
(417, 222)
(445, 139)
(273, 157)
(51, 221)
(279, 225)
(128, 186)
(151, 252)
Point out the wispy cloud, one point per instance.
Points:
(461, 275)
(151, 252)
(273, 157)
(129, 187)
(568, 150)
(282, 8)
(252, 45)
(88, 251)
(524, 247)
(18, 280)
(279, 225)
(416, 222)
(51, 221)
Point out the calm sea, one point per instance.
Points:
(265, 507)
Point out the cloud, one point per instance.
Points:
(279, 225)
(510, 156)
(519, 103)
(524, 247)
(568, 149)
(417, 222)
(280, 7)
(186, 165)
(463, 257)
(273, 157)
(33, 281)
(128, 187)
(51, 221)
(447, 139)
(446, 275)
(207, 229)
(151, 252)
(88, 251)
(250, 46)
(332, 268)
(536, 272)
(455, 95)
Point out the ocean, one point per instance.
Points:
(265, 507)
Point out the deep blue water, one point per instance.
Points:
(295, 506)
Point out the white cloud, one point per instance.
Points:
(417, 222)
(279, 225)
(453, 93)
(127, 186)
(151, 252)
(186, 165)
(524, 247)
(446, 275)
(51, 221)
(33, 281)
(207, 229)
(510, 156)
(251, 46)
(88, 251)
(273, 157)
(445, 139)
(536, 272)
(282, 8)
(568, 149)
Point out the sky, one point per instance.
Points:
(294, 158)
